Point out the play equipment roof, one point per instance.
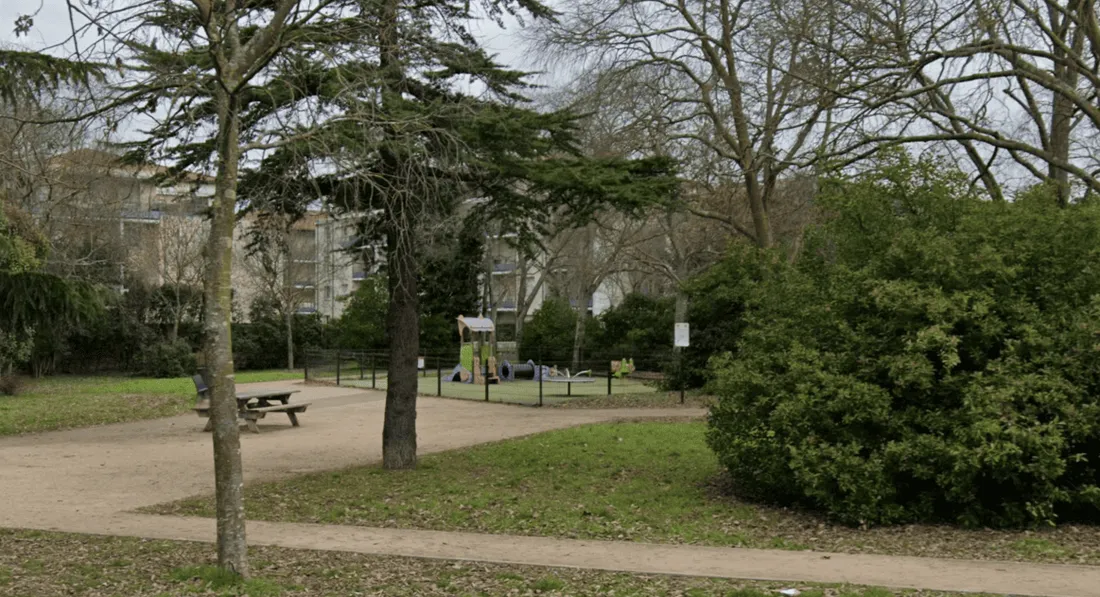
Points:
(476, 324)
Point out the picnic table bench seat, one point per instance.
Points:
(248, 411)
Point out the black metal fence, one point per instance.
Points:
(530, 383)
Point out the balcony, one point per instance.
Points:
(358, 276)
(305, 284)
(505, 306)
(306, 310)
(141, 216)
(503, 268)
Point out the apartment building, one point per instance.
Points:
(120, 223)
(548, 275)
(319, 270)
(112, 222)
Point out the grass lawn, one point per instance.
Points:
(63, 401)
(54, 564)
(653, 482)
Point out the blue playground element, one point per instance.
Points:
(457, 375)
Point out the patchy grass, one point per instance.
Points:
(64, 402)
(90, 566)
(210, 578)
(651, 400)
(652, 482)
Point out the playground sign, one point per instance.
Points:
(681, 335)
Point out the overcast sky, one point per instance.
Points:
(51, 25)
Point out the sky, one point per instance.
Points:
(51, 25)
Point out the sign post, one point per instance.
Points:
(681, 340)
(682, 335)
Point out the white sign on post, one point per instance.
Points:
(681, 336)
(420, 362)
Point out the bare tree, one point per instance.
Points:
(182, 237)
(728, 80)
(1013, 82)
(589, 256)
(190, 68)
(281, 270)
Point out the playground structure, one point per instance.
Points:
(477, 337)
(623, 368)
(478, 349)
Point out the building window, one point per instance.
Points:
(328, 292)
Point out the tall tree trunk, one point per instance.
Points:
(758, 207)
(578, 331)
(290, 337)
(177, 315)
(399, 428)
(521, 300)
(217, 344)
(402, 321)
(1062, 108)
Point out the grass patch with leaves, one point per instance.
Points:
(56, 564)
(651, 481)
(65, 402)
(650, 400)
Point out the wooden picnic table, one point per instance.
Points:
(252, 406)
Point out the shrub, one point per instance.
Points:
(363, 323)
(932, 357)
(12, 385)
(640, 328)
(168, 359)
(549, 334)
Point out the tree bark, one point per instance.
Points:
(399, 428)
(290, 337)
(217, 344)
(758, 206)
(578, 331)
(402, 320)
(1063, 30)
(521, 300)
(176, 316)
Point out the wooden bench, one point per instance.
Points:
(248, 411)
(253, 414)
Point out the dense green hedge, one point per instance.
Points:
(931, 357)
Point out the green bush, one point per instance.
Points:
(363, 323)
(168, 359)
(549, 334)
(639, 328)
(932, 357)
(261, 343)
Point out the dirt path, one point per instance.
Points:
(114, 468)
(89, 481)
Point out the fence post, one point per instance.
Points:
(360, 359)
(438, 376)
(609, 372)
(373, 374)
(305, 366)
(485, 379)
(538, 373)
(339, 357)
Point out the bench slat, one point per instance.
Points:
(296, 407)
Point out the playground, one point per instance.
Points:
(515, 392)
(481, 374)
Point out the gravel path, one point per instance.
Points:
(89, 481)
